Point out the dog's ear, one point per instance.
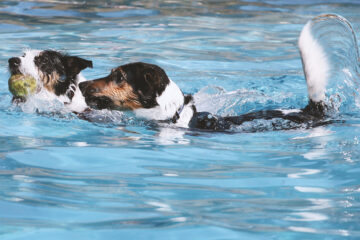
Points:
(142, 82)
(146, 82)
(74, 65)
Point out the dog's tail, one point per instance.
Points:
(330, 59)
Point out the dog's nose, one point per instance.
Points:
(14, 62)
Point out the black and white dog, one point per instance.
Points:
(147, 90)
(57, 75)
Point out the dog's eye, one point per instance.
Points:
(118, 77)
(62, 78)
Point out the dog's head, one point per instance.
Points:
(139, 86)
(128, 87)
(53, 70)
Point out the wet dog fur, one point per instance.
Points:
(147, 90)
(54, 71)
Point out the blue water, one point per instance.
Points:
(62, 177)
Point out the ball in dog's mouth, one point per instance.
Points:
(22, 85)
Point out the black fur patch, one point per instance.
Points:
(208, 121)
(102, 102)
(147, 80)
(50, 61)
(187, 99)
(317, 109)
(14, 64)
(67, 67)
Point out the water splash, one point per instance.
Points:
(42, 102)
(328, 44)
(217, 100)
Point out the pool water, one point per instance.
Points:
(62, 177)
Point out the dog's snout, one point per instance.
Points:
(14, 62)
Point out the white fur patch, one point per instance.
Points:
(185, 116)
(77, 103)
(27, 65)
(169, 102)
(288, 111)
(315, 64)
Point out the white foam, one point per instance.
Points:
(315, 64)
(42, 101)
(169, 136)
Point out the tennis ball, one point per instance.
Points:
(22, 85)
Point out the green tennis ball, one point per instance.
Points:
(22, 85)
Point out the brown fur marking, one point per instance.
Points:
(121, 94)
(49, 80)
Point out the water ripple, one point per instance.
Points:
(62, 177)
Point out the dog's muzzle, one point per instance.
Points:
(97, 102)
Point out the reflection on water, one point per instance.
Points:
(62, 177)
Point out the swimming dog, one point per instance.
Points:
(147, 90)
(56, 73)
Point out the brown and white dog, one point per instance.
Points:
(146, 89)
(141, 87)
(57, 75)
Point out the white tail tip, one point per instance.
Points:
(315, 64)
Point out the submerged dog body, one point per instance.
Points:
(146, 89)
(57, 75)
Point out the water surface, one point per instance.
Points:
(64, 177)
